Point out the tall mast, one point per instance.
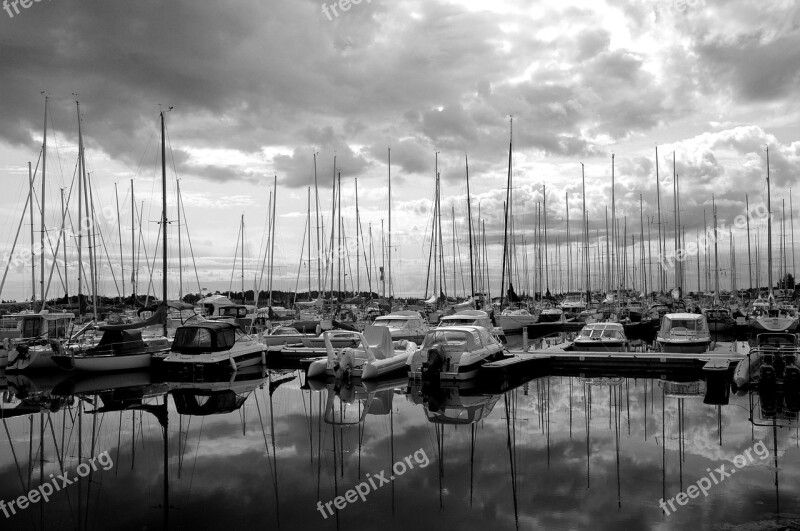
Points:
(641, 243)
(389, 264)
(33, 248)
(163, 214)
(339, 239)
(63, 235)
(319, 248)
(272, 237)
(133, 245)
(614, 259)
(544, 217)
(791, 221)
(716, 256)
(119, 235)
(453, 217)
(81, 168)
(180, 251)
(586, 239)
(244, 299)
(469, 230)
(661, 272)
(358, 245)
(505, 221)
(569, 269)
(769, 232)
(308, 224)
(41, 238)
(749, 259)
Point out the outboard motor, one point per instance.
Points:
(767, 391)
(436, 362)
(791, 389)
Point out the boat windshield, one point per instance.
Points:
(462, 339)
(196, 340)
(687, 324)
(606, 333)
(392, 323)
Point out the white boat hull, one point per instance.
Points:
(112, 363)
(238, 357)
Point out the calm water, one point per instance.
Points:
(558, 452)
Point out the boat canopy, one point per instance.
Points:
(603, 330)
(118, 343)
(461, 338)
(689, 322)
(203, 337)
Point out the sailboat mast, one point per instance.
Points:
(244, 299)
(358, 245)
(389, 263)
(586, 239)
(163, 214)
(319, 244)
(133, 245)
(80, 211)
(505, 220)
(791, 221)
(716, 256)
(308, 224)
(661, 272)
(33, 248)
(749, 259)
(469, 230)
(769, 231)
(614, 259)
(41, 237)
(180, 251)
(63, 235)
(119, 235)
(544, 217)
(569, 269)
(272, 236)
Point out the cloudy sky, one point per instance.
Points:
(257, 88)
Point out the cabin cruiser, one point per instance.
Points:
(35, 339)
(214, 345)
(683, 333)
(376, 356)
(551, 314)
(472, 317)
(283, 336)
(406, 324)
(514, 319)
(454, 353)
(601, 337)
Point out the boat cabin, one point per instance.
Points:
(205, 337)
(603, 331)
(687, 324)
(466, 339)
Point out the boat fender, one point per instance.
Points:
(345, 365)
(233, 363)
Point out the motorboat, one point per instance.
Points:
(38, 336)
(376, 356)
(283, 336)
(214, 345)
(472, 317)
(454, 353)
(683, 333)
(338, 338)
(775, 357)
(601, 337)
(405, 324)
(515, 319)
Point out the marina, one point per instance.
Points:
(418, 265)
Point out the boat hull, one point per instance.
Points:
(600, 346)
(105, 363)
(228, 361)
(683, 347)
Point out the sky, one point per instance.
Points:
(257, 89)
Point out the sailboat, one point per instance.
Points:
(767, 315)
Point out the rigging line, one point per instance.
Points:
(235, 256)
(189, 239)
(103, 243)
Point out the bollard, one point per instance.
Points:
(525, 339)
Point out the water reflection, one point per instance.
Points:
(573, 451)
